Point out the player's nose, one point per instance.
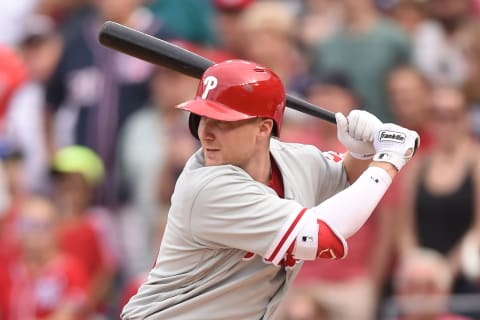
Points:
(206, 129)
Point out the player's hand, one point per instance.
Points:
(356, 132)
(395, 144)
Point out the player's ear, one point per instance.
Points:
(265, 127)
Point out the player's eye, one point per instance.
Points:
(225, 124)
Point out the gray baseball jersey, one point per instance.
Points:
(222, 254)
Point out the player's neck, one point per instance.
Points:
(260, 168)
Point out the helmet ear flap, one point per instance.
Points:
(193, 123)
(275, 129)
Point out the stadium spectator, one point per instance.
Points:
(422, 286)
(86, 232)
(40, 48)
(43, 282)
(191, 20)
(471, 53)
(318, 20)
(227, 25)
(366, 48)
(154, 145)
(440, 207)
(13, 15)
(268, 37)
(409, 93)
(96, 88)
(436, 42)
(331, 91)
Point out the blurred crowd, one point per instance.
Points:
(91, 146)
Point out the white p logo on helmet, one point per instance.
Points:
(210, 83)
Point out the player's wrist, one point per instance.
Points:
(362, 156)
(389, 168)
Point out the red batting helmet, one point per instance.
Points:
(237, 90)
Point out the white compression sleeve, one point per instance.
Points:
(349, 209)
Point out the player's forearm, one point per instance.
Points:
(354, 167)
(388, 167)
(349, 209)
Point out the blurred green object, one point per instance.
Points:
(79, 159)
(191, 20)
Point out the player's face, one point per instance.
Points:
(226, 142)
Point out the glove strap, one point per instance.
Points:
(398, 161)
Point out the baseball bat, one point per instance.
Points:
(163, 53)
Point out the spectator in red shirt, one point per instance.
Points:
(42, 282)
(76, 170)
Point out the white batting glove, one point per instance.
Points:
(395, 144)
(356, 132)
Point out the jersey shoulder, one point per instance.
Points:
(297, 156)
(197, 179)
(295, 149)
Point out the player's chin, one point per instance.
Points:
(212, 159)
(213, 163)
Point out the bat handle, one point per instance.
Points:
(304, 106)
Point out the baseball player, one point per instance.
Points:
(248, 208)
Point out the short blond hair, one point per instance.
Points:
(424, 258)
(269, 15)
